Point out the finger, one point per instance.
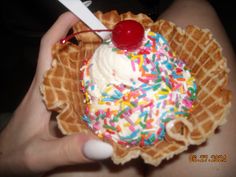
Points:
(78, 149)
(69, 150)
(58, 31)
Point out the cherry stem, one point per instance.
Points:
(67, 38)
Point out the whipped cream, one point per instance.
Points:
(108, 67)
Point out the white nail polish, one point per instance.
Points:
(97, 150)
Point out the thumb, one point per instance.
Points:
(72, 149)
(80, 148)
(58, 30)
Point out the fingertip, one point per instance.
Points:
(95, 149)
(59, 29)
(86, 148)
(70, 148)
(78, 142)
(68, 16)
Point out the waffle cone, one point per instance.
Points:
(202, 55)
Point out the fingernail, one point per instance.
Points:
(97, 150)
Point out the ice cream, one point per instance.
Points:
(131, 95)
(195, 46)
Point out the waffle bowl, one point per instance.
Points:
(196, 47)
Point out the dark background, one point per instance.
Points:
(22, 24)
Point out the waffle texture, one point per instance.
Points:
(196, 47)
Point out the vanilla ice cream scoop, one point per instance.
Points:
(109, 67)
(131, 95)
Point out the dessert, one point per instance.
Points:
(131, 95)
(196, 47)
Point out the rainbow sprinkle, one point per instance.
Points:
(137, 114)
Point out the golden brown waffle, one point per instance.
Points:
(197, 47)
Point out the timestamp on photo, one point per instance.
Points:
(210, 158)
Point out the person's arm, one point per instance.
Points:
(27, 146)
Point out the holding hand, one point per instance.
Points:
(27, 146)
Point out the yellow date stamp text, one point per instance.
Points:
(211, 158)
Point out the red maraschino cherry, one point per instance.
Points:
(126, 35)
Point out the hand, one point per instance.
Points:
(27, 146)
